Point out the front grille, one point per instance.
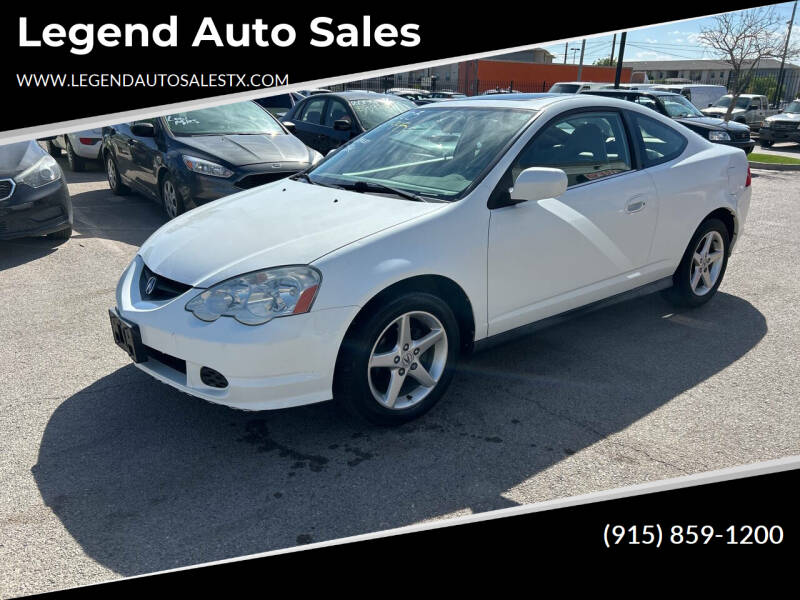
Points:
(6, 188)
(784, 125)
(251, 181)
(171, 361)
(163, 288)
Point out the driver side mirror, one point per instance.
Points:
(143, 130)
(538, 183)
(290, 127)
(342, 124)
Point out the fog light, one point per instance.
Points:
(213, 378)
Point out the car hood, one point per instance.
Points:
(795, 117)
(718, 111)
(713, 123)
(15, 158)
(241, 150)
(283, 223)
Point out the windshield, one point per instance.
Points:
(793, 107)
(678, 106)
(435, 152)
(725, 102)
(373, 112)
(564, 88)
(245, 118)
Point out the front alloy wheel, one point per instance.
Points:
(173, 204)
(397, 359)
(407, 360)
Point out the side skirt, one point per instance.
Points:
(511, 334)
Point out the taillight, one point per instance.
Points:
(88, 141)
(749, 179)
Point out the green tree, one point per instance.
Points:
(605, 62)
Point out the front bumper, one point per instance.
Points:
(32, 212)
(746, 145)
(779, 135)
(288, 361)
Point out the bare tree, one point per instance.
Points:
(743, 39)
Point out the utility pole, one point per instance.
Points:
(613, 47)
(566, 49)
(619, 60)
(580, 66)
(778, 87)
(574, 50)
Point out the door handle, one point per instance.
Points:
(635, 204)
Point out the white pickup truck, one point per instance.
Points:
(750, 109)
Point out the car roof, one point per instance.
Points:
(630, 91)
(356, 95)
(528, 101)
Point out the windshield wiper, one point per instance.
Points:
(365, 186)
(304, 176)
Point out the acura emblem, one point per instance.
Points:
(151, 285)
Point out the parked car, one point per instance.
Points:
(81, 146)
(326, 121)
(34, 199)
(783, 127)
(677, 107)
(702, 96)
(495, 91)
(444, 95)
(575, 87)
(445, 229)
(189, 158)
(750, 109)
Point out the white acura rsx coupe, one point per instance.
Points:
(450, 226)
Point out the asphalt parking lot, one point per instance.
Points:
(106, 472)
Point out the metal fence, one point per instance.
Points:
(761, 83)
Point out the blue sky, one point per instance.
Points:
(675, 41)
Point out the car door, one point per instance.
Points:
(560, 253)
(119, 140)
(308, 122)
(145, 156)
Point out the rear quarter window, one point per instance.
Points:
(660, 143)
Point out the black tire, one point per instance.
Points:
(114, 180)
(63, 234)
(175, 207)
(76, 163)
(682, 293)
(352, 380)
(52, 149)
(765, 143)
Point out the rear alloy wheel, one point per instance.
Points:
(173, 203)
(76, 163)
(399, 361)
(114, 180)
(703, 265)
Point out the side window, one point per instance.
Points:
(661, 142)
(646, 101)
(336, 110)
(586, 146)
(312, 111)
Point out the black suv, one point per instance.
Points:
(677, 107)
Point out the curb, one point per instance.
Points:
(774, 166)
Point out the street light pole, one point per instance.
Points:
(613, 47)
(621, 55)
(580, 66)
(783, 58)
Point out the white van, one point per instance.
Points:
(702, 96)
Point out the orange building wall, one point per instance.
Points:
(493, 73)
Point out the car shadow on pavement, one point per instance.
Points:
(146, 478)
(23, 250)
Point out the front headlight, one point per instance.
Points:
(719, 136)
(42, 172)
(258, 297)
(206, 167)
